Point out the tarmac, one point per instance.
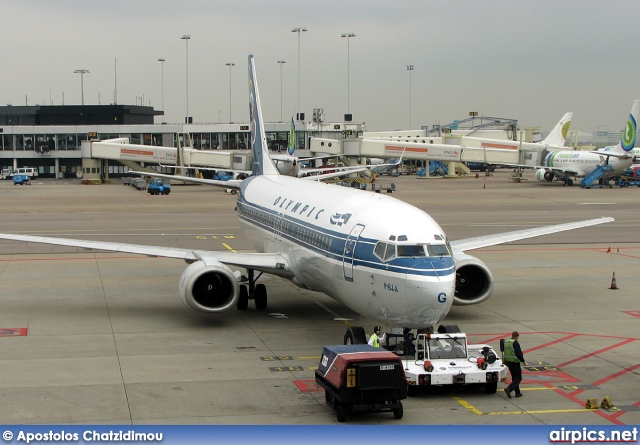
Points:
(102, 338)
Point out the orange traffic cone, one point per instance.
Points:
(613, 282)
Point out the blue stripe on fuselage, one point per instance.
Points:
(331, 244)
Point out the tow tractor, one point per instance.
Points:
(157, 186)
(442, 358)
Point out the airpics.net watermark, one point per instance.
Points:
(567, 435)
(87, 436)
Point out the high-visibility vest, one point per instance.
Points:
(376, 344)
(510, 352)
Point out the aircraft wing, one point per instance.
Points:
(336, 174)
(230, 184)
(273, 263)
(501, 238)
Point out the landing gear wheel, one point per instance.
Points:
(355, 336)
(243, 301)
(398, 412)
(260, 297)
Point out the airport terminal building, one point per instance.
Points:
(49, 138)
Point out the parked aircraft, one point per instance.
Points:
(566, 165)
(379, 256)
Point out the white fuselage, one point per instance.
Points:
(583, 162)
(330, 235)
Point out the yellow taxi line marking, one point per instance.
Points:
(541, 411)
(467, 405)
(475, 410)
(228, 247)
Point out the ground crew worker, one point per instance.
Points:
(375, 338)
(512, 358)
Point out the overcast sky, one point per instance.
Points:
(532, 61)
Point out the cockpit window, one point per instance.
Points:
(388, 251)
(411, 250)
(438, 250)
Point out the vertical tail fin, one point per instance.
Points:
(558, 136)
(262, 164)
(628, 139)
(291, 147)
(629, 135)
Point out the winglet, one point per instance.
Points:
(262, 163)
(558, 136)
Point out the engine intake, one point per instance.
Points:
(474, 282)
(209, 287)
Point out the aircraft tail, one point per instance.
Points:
(262, 163)
(291, 147)
(628, 140)
(558, 136)
(629, 135)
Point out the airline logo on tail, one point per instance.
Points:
(629, 135)
(291, 148)
(565, 128)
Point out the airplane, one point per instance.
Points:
(379, 256)
(568, 164)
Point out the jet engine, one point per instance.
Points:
(544, 175)
(474, 282)
(209, 286)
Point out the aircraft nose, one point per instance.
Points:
(430, 292)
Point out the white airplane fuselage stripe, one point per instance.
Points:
(311, 224)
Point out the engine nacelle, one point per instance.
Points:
(544, 175)
(474, 282)
(209, 286)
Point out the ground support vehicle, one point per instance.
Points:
(156, 186)
(628, 181)
(378, 187)
(221, 175)
(21, 180)
(139, 183)
(361, 378)
(442, 358)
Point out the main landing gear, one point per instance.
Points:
(252, 291)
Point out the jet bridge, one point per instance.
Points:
(448, 148)
(134, 155)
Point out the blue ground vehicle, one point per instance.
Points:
(21, 179)
(222, 175)
(157, 186)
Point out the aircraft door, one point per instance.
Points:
(349, 251)
(278, 227)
